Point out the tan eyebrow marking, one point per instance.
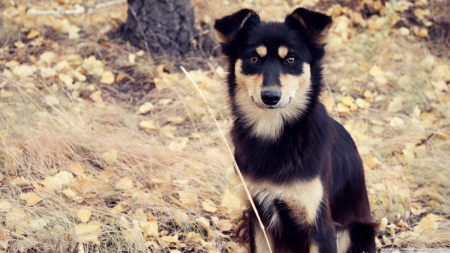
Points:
(261, 50)
(283, 51)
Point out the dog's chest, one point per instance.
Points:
(302, 198)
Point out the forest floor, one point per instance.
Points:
(104, 148)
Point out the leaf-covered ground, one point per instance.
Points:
(105, 149)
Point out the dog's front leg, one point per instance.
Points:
(258, 242)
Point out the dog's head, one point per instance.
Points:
(273, 64)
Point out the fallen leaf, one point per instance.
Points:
(69, 193)
(88, 233)
(202, 221)
(33, 34)
(383, 223)
(146, 107)
(148, 124)
(5, 94)
(225, 225)
(231, 201)
(31, 198)
(188, 198)
(5, 206)
(429, 222)
(84, 215)
(179, 144)
(77, 169)
(51, 100)
(376, 71)
(110, 157)
(96, 96)
(107, 77)
(132, 58)
(124, 184)
(209, 206)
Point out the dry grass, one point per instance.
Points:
(40, 142)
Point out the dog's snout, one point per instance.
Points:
(271, 97)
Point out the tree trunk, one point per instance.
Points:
(163, 27)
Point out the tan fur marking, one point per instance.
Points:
(260, 240)
(283, 51)
(262, 51)
(313, 248)
(343, 241)
(302, 197)
(221, 38)
(269, 123)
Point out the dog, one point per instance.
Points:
(302, 167)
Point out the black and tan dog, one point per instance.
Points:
(302, 167)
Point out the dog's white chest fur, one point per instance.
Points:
(303, 199)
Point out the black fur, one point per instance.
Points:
(310, 146)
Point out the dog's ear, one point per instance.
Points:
(228, 27)
(315, 23)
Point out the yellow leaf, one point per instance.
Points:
(107, 77)
(24, 70)
(69, 193)
(5, 206)
(383, 223)
(349, 102)
(416, 209)
(149, 228)
(423, 33)
(430, 222)
(148, 124)
(132, 59)
(66, 79)
(84, 215)
(96, 96)
(146, 107)
(19, 44)
(421, 13)
(396, 105)
(88, 233)
(51, 100)
(397, 123)
(231, 201)
(110, 157)
(5, 94)
(188, 198)
(77, 169)
(32, 199)
(33, 34)
(376, 71)
(209, 206)
(124, 184)
(179, 144)
(225, 225)
(202, 221)
(63, 177)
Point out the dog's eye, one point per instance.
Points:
(290, 60)
(254, 59)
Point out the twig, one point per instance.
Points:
(249, 196)
(78, 9)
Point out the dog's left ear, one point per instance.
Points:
(315, 23)
(228, 27)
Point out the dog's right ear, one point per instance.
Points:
(228, 27)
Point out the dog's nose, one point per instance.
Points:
(271, 97)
